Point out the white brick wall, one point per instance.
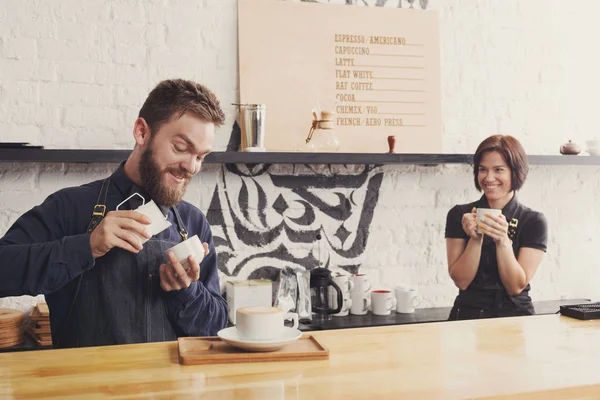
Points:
(74, 73)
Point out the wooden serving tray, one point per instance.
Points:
(212, 350)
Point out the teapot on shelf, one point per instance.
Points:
(570, 148)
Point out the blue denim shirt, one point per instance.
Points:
(48, 247)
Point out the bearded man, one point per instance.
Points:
(82, 249)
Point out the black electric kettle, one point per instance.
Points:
(320, 281)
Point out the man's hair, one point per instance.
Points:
(174, 97)
(513, 154)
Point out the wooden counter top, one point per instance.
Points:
(543, 357)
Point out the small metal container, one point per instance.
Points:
(252, 121)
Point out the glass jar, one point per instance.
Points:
(322, 136)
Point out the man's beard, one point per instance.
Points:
(152, 180)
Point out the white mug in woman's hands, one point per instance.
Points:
(494, 225)
(483, 213)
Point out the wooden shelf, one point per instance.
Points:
(233, 157)
(63, 156)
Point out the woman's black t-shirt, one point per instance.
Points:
(526, 228)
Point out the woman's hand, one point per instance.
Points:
(495, 227)
(469, 224)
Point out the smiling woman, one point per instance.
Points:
(492, 258)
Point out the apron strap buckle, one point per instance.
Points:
(99, 210)
(182, 231)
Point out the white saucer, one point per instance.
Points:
(232, 337)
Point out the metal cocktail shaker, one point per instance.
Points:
(252, 121)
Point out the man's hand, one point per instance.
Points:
(118, 229)
(174, 277)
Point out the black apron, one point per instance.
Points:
(486, 296)
(119, 300)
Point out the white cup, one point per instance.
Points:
(346, 285)
(344, 282)
(190, 247)
(382, 302)
(360, 294)
(481, 215)
(593, 147)
(346, 307)
(260, 323)
(406, 300)
(347, 302)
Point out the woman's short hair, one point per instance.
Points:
(513, 154)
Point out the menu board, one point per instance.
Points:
(377, 69)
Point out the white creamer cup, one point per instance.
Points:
(190, 247)
(159, 221)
